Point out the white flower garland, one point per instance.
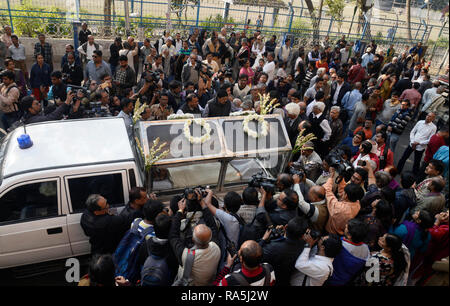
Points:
(183, 116)
(202, 123)
(252, 133)
(242, 113)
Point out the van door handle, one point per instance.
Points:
(53, 231)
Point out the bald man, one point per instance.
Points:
(207, 252)
(251, 271)
(316, 211)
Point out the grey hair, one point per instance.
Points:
(336, 108)
(321, 71)
(383, 177)
(91, 202)
(320, 105)
(247, 104)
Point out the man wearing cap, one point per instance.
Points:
(367, 58)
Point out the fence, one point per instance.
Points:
(148, 18)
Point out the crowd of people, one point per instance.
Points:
(341, 204)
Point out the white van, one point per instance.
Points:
(43, 188)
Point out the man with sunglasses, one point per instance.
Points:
(96, 68)
(103, 229)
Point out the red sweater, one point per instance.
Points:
(435, 143)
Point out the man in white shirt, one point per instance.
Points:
(211, 63)
(315, 263)
(88, 48)
(178, 43)
(285, 51)
(418, 140)
(241, 89)
(170, 46)
(317, 115)
(269, 67)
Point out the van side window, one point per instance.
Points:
(109, 186)
(31, 201)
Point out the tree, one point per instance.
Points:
(315, 20)
(408, 19)
(362, 10)
(336, 10)
(107, 14)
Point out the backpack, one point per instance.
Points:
(188, 263)
(127, 252)
(243, 281)
(155, 272)
(246, 231)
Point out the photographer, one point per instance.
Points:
(72, 71)
(148, 85)
(251, 271)
(228, 216)
(58, 90)
(316, 211)
(76, 108)
(282, 253)
(205, 241)
(9, 96)
(32, 109)
(343, 210)
(316, 269)
(286, 208)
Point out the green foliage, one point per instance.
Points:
(215, 23)
(35, 20)
(301, 28)
(336, 9)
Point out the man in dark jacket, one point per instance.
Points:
(32, 109)
(339, 88)
(404, 83)
(104, 230)
(219, 106)
(138, 197)
(282, 253)
(72, 70)
(286, 208)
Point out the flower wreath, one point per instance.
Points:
(202, 123)
(252, 133)
(183, 116)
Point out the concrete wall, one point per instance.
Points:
(59, 49)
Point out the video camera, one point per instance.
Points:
(297, 168)
(154, 76)
(343, 167)
(189, 193)
(199, 67)
(260, 180)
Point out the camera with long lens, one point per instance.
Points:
(208, 71)
(276, 233)
(260, 180)
(189, 193)
(343, 167)
(297, 168)
(151, 76)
